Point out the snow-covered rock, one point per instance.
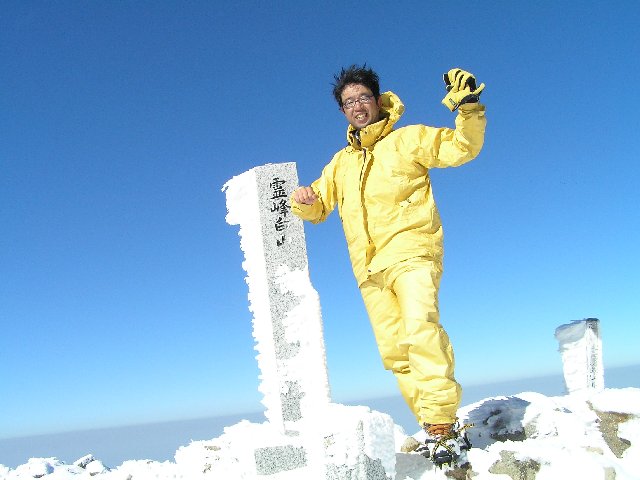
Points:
(49, 468)
(531, 436)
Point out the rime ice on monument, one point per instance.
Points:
(581, 351)
(306, 435)
(287, 325)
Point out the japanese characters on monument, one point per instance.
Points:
(281, 208)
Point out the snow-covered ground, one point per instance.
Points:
(524, 436)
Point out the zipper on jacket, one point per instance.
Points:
(370, 250)
(364, 166)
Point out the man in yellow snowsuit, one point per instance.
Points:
(380, 184)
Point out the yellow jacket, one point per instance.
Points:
(380, 183)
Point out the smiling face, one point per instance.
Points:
(361, 114)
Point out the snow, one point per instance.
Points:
(557, 437)
(581, 351)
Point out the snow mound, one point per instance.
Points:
(526, 436)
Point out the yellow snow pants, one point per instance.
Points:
(402, 303)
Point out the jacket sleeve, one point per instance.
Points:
(325, 189)
(447, 147)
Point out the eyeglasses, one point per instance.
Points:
(363, 99)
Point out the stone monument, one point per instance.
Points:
(581, 351)
(306, 435)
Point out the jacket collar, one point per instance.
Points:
(390, 112)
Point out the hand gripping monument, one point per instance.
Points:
(306, 435)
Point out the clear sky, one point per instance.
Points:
(122, 297)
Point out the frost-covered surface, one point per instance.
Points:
(339, 435)
(580, 346)
(574, 436)
(242, 201)
(287, 323)
(526, 436)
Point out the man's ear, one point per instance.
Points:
(380, 101)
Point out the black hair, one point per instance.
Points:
(361, 75)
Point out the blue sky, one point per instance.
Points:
(122, 298)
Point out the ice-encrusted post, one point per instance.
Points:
(581, 351)
(306, 435)
(287, 324)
